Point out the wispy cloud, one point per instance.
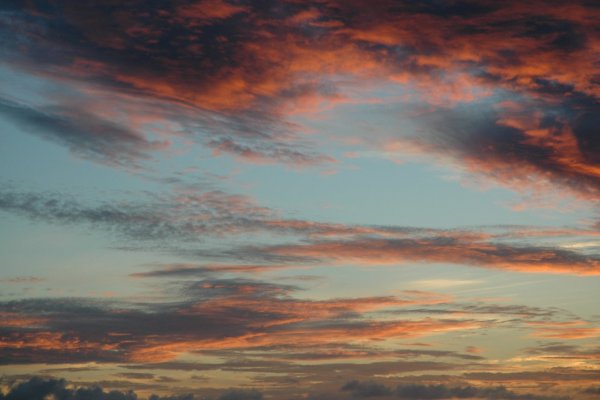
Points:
(82, 132)
(185, 217)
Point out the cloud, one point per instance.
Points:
(183, 270)
(363, 389)
(267, 154)
(565, 330)
(241, 395)
(366, 389)
(560, 351)
(208, 86)
(239, 72)
(528, 147)
(556, 374)
(39, 389)
(179, 221)
(234, 314)
(336, 351)
(185, 215)
(442, 250)
(82, 132)
(593, 390)
(181, 216)
(136, 375)
(506, 91)
(239, 315)
(424, 392)
(22, 280)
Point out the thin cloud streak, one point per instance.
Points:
(187, 217)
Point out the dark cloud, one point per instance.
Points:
(537, 140)
(161, 219)
(233, 75)
(186, 216)
(562, 351)
(366, 389)
(183, 270)
(238, 315)
(233, 313)
(41, 389)
(175, 271)
(363, 389)
(82, 132)
(193, 62)
(241, 395)
(68, 330)
(37, 388)
(425, 392)
(593, 390)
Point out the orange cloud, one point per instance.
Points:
(15, 320)
(52, 341)
(445, 250)
(150, 351)
(564, 330)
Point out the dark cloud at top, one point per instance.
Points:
(190, 56)
(232, 72)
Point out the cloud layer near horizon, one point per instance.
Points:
(39, 388)
(250, 315)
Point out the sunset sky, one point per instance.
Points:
(322, 200)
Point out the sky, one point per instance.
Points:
(325, 199)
